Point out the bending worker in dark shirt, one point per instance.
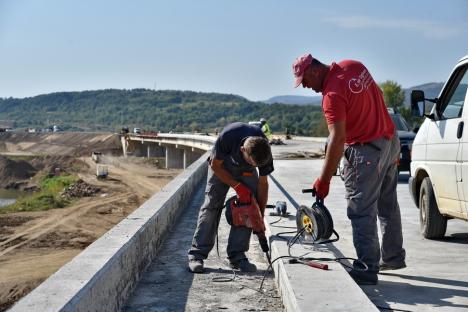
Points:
(239, 149)
(356, 115)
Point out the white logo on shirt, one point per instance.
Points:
(356, 85)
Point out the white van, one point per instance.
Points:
(439, 165)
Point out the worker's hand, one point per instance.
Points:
(243, 193)
(321, 188)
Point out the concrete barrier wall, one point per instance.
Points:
(102, 276)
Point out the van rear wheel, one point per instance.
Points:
(433, 224)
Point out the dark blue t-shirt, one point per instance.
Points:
(227, 146)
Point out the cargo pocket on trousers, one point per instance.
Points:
(367, 171)
(349, 173)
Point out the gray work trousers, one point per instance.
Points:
(371, 178)
(210, 214)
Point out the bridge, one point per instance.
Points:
(179, 150)
(134, 268)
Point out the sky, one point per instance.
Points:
(238, 47)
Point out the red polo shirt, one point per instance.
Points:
(350, 94)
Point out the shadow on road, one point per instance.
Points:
(455, 238)
(397, 293)
(403, 177)
(285, 193)
(165, 284)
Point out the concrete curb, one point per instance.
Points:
(103, 275)
(303, 288)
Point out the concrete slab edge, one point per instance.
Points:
(103, 275)
(282, 280)
(290, 296)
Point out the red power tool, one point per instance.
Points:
(248, 215)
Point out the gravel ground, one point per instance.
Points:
(167, 285)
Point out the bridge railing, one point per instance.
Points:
(204, 142)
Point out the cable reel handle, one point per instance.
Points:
(314, 193)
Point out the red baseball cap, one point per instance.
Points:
(299, 66)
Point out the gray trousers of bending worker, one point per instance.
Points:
(210, 214)
(371, 178)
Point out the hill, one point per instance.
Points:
(431, 90)
(162, 110)
(295, 99)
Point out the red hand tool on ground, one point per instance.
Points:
(312, 264)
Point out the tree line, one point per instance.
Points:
(162, 110)
(171, 110)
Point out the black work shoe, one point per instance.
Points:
(196, 265)
(391, 266)
(364, 278)
(244, 265)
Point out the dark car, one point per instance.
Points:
(406, 136)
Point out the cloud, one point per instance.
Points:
(428, 29)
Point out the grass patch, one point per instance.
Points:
(47, 198)
(21, 157)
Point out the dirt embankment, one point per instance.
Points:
(11, 172)
(34, 245)
(60, 143)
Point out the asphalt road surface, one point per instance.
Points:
(436, 277)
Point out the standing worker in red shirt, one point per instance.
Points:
(358, 120)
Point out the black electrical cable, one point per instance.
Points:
(284, 227)
(296, 237)
(339, 259)
(291, 242)
(268, 268)
(222, 279)
(274, 222)
(281, 226)
(235, 278)
(391, 309)
(284, 238)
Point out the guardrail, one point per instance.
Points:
(203, 142)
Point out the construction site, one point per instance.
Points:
(35, 244)
(117, 239)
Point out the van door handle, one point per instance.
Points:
(460, 130)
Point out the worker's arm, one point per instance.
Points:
(262, 193)
(334, 151)
(221, 173)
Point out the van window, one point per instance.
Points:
(456, 96)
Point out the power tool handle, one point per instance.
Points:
(317, 265)
(263, 243)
